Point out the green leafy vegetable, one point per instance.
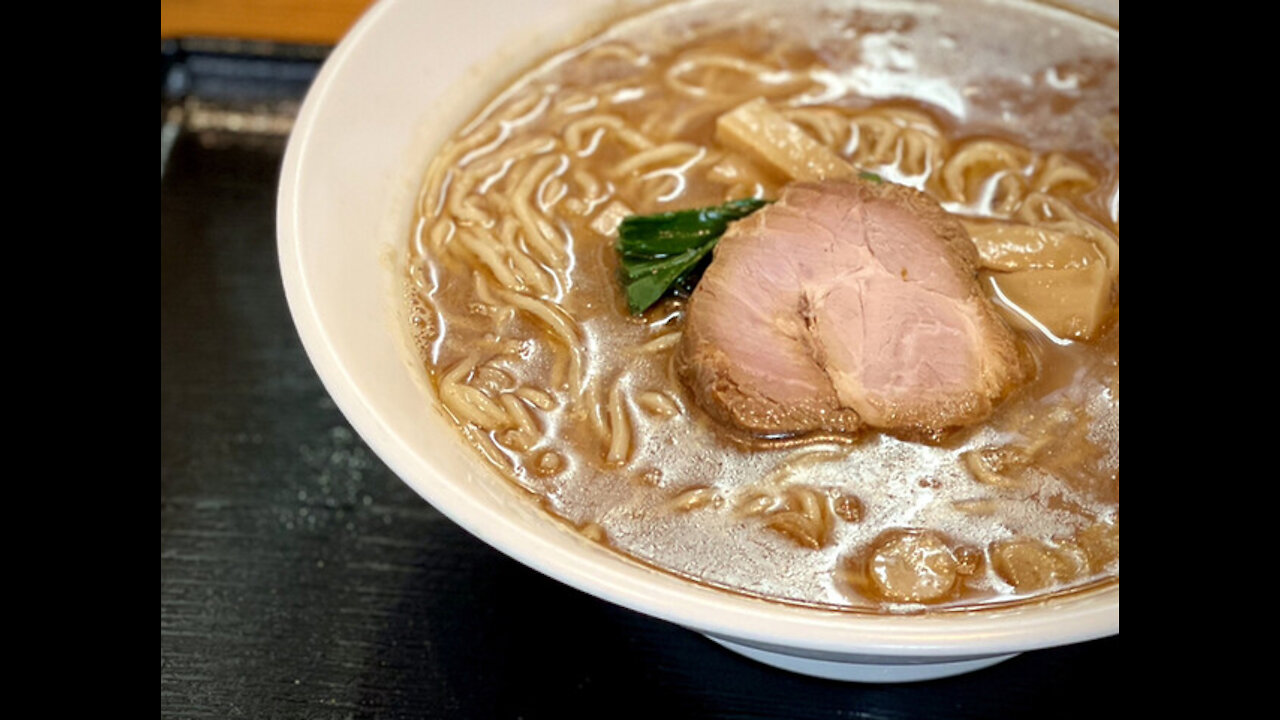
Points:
(870, 177)
(662, 252)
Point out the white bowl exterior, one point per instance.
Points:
(379, 108)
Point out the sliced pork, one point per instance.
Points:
(846, 305)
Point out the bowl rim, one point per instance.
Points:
(612, 576)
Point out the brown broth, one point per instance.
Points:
(522, 327)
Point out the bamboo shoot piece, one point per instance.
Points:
(1062, 279)
(1008, 247)
(1070, 303)
(763, 135)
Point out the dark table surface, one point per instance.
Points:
(300, 578)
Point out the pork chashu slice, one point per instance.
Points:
(845, 305)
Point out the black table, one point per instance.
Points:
(300, 578)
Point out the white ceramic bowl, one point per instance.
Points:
(406, 76)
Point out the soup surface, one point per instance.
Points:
(1006, 113)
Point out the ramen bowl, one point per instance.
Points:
(398, 85)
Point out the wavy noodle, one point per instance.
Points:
(875, 139)
(494, 167)
(461, 370)
(593, 192)
(1003, 193)
(492, 379)
(439, 172)
(755, 505)
(574, 102)
(596, 412)
(471, 190)
(594, 128)
(553, 316)
(477, 142)
(619, 426)
(672, 126)
(806, 519)
(801, 459)
(483, 294)
(657, 404)
(617, 50)
(1059, 170)
(906, 139)
(982, 164)
(524, 109)
(490, 449)
(551, 191)
(562, 326)
(1057, 214)
(828, 126)
(463, 206)
(467, 403)
(539, 234)
(559, 370)
(666, 341)
(529, 434)
(531, 273)
(515, 440)
(537, 398)
(490, 254)
(475, 406)
(662, 153)
(439, 235)
(666, 182)
(976, 162)
(694, 498)
(743, 190)
(918, 153)
(674, 76)
(800, 513)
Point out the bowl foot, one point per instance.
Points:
(869, 670)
